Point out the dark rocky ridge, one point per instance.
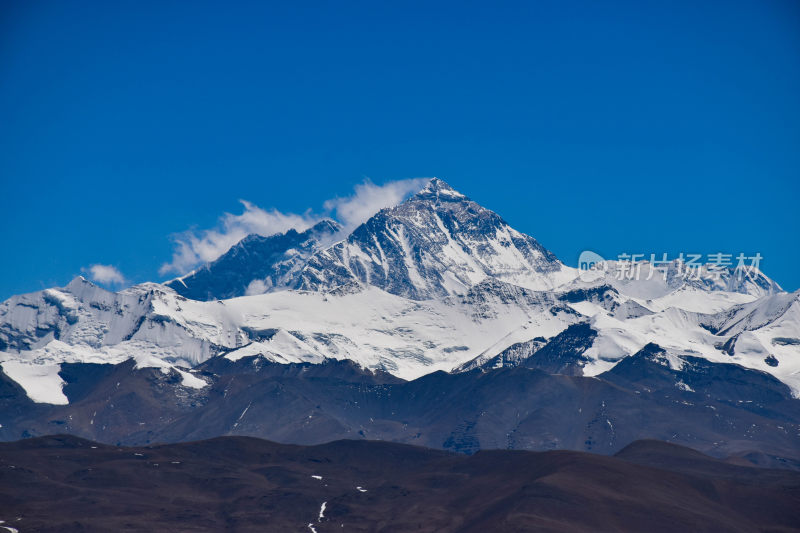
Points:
(562, 354)
(720, 409)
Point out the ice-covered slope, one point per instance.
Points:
(85, 318)
(437, 243)
(643, 279)
(764, 332)
(157, 327)
(761, 334)
(86, 323)
(704, 288)
(405, 337)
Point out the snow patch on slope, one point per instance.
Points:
(41, 382)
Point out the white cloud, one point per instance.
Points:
(193, 248)
(256, 286)
(368, 199)
(106, 274)
(196, 247)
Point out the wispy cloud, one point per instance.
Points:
(193, 247)
(368, 198)
(105, 274)
(196, 247)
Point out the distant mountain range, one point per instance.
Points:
(434, 322)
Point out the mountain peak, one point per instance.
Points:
(435, 244)
(326, 226)
(78, 283)
(439, 189)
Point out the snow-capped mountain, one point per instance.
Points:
(437, 243)
(718, 287)
(256, 264)
(435, 283)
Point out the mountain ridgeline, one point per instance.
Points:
(434, 323)
(437, 243)
(271, 261)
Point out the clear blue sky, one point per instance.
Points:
(616, 126)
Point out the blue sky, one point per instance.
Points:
(616, 126)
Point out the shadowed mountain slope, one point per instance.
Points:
(504, 408)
